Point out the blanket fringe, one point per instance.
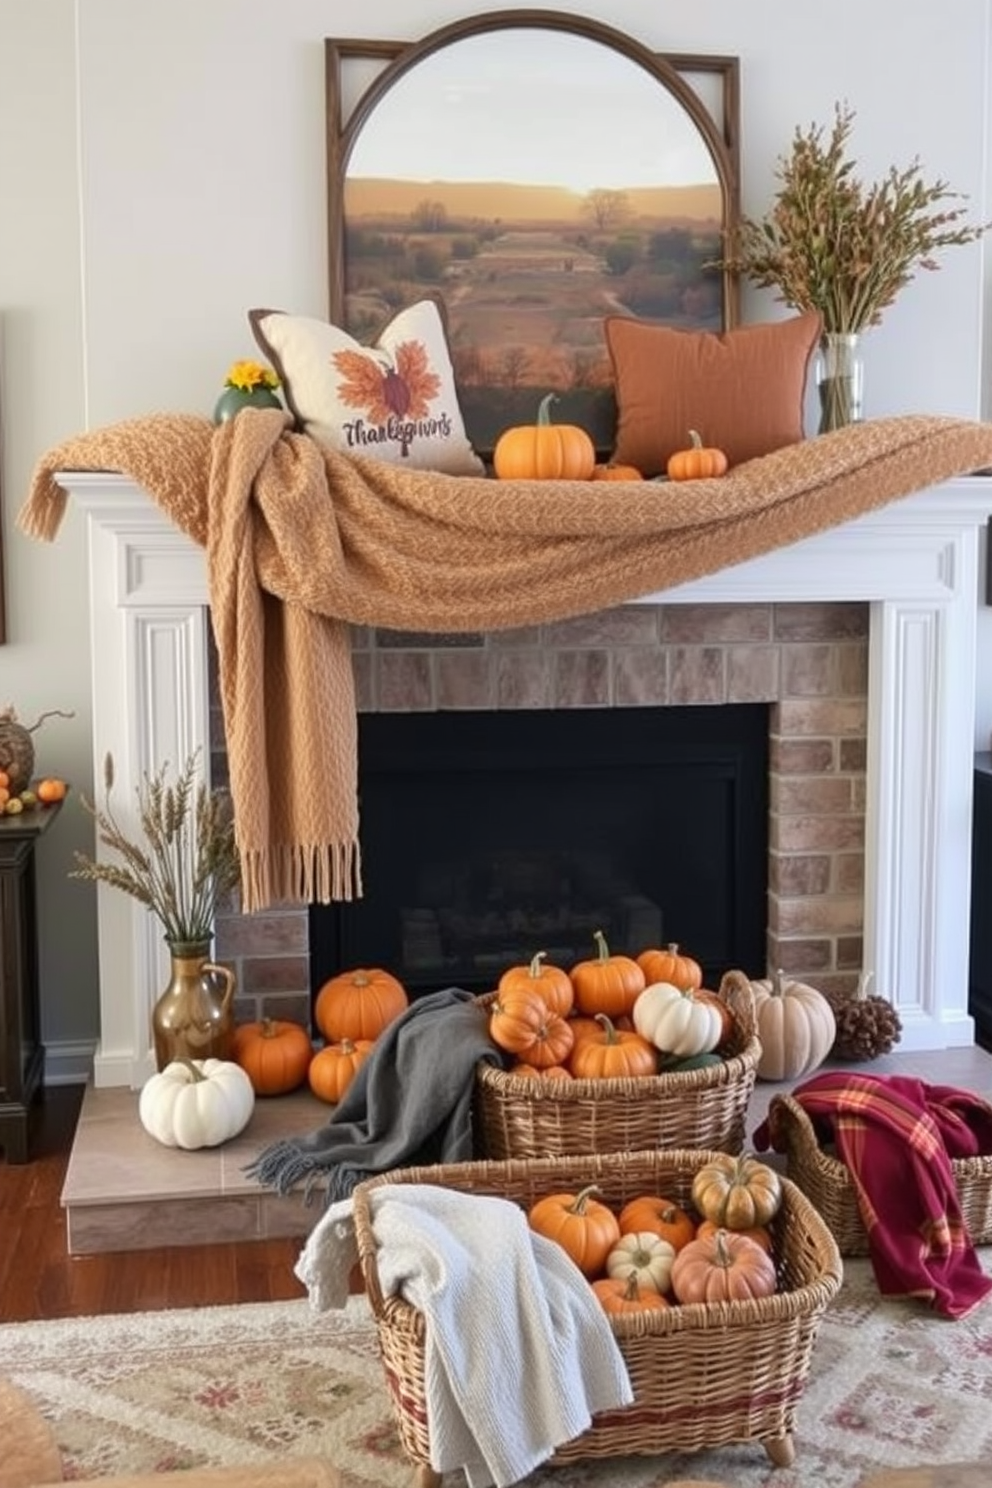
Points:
(300, 874)
(42, 513)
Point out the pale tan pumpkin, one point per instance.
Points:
(796, 1027)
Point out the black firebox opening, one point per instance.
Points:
(489, 836)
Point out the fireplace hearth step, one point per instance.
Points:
(125, 1191)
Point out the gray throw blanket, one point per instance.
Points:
(409, 1103)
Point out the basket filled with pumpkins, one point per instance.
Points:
(616, 1053)
(714, 1269)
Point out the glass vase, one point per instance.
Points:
(840, 379)
(194, 1017)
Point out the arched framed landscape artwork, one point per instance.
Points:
(537, 172)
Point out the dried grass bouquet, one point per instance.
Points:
(837, 246)
(188, 860)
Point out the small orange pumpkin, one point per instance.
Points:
(608, 984)
(543, 450)
(524, 1071)
(358, 1004)
(586, 1229)
(697, 462)
(624, 1294)
(522, 1023)
(760, 1234)
(671, 966)
(616, 473)
(658, 1215)
(274, 1054)
(552, 982)
(614, 1055)
(335, 1066)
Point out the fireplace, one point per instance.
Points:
(913, 565)
(488, 836)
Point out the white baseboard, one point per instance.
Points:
(69, 1061)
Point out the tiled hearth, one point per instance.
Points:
(124, 1191)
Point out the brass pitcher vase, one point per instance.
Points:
(194, 1017)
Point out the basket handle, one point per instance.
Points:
(735, 991)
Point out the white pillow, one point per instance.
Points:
(394, 400)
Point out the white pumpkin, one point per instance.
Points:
(676, 1021)
(196, 1103)
(644, 1255)
(796, 1028)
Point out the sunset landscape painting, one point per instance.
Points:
(536, 183)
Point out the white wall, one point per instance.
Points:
(200, 192)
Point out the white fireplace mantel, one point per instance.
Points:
(916, 561)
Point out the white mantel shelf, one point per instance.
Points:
(916, 561)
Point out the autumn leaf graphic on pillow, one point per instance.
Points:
(403, 390)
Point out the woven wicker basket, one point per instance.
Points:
(704, 1108)
(826, 1181)
(703, 1375)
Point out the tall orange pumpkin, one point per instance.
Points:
(359, 1004)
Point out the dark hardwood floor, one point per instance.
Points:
(39, 1279)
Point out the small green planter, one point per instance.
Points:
(232, 400)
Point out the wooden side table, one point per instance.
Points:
(22, 1054)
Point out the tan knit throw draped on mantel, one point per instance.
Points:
(302, 541)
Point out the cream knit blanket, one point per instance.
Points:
(302, 540)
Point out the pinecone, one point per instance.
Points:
(867, 1026)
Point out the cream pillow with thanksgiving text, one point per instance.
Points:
(394, 400)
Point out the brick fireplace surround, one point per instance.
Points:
(861, 639)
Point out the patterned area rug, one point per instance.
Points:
(891, 1385)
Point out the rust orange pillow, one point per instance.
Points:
(742, 389)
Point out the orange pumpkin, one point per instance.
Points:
(671, 966)
(275, 1055)
(619, 1294)
(585, 1229)
(358, 1004)
(614, 1055)
(522, 1023)
(543, 450)
(760, 1234)
(335, 1066)
(723, 1267)
(552, 982)
(696, 462)
(608, 984)
(658, 1215)
(524, 1071)
(616, 473)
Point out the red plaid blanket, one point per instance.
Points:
(897, 1137)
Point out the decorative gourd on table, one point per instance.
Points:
(867, 1025)
(723, 1267)
(359, 1004)
(677, 1022)
(334, 1067)
(796, 1027)
(697, 462)
(586, 1229)
(624, 1295)
(194, 1103)
(543, 450)
(645, 1256)
(606, 984)
(615, 1055)
(521, 1022)
(552, 982)
(274, 1053)
(737, 1192)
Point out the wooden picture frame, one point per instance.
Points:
(525, 297)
